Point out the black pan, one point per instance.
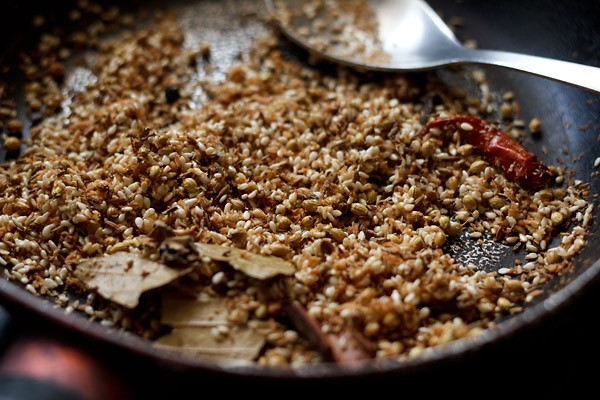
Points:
(560, 29)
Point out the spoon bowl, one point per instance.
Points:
(403, 35)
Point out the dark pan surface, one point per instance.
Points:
(560, 29)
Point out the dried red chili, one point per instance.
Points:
(516, 162)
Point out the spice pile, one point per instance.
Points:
(345, 29)
(295, 217)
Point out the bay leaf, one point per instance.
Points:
(254, 265)
(122, 276)
(178, 311)
(243, 343)
(194, 321)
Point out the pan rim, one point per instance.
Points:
(91, 331)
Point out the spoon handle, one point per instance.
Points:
(583, 76)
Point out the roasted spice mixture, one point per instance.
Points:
(345, 29)
(330, 172)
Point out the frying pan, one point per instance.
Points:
(559, 29)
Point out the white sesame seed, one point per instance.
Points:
(466, 126)
(218, 278)
(530, 266)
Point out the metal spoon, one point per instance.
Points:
(404, 35)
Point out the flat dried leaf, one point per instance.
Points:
(243, 343)
(178, 311)
(122, 277)
(254, 265)
(194, 322)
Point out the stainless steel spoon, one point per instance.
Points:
(406, 35)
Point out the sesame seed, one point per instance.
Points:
(218, 278)
(466, 126)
